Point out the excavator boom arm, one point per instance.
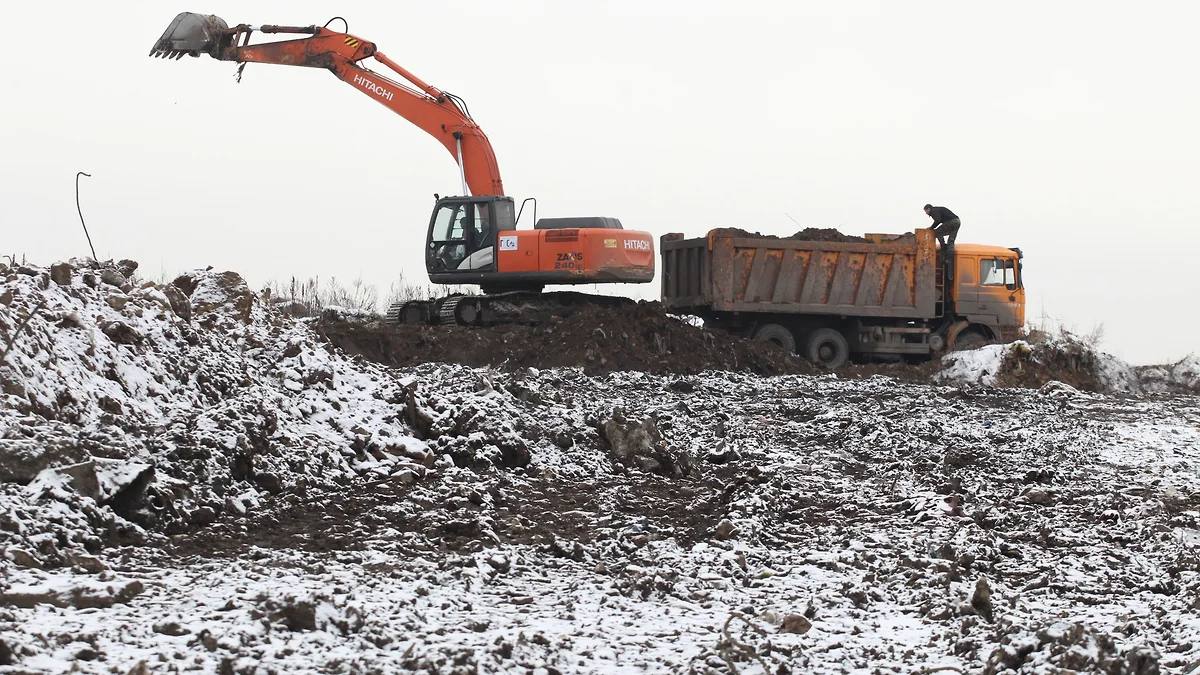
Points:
(437, 113)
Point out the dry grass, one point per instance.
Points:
(307, 297)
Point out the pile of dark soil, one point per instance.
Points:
(825, 234)
(1071, 362)
(639, 337)
(807, 234)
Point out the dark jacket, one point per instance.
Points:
(941, 214)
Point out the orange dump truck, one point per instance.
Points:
(888, 296)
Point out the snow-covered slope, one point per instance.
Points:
(1181, 376)
(1032, 364)
(212, 400)
(206, 486)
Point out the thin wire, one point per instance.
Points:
(345, 23)
(80, 210)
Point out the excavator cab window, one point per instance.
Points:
(462, 236)
(448, 236)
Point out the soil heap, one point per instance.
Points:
(599, 339)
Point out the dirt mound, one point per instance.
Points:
(1181, 377)
(807, 234)
(825, 234)
(599, 339)
(130, 408)
(1032, 366)
(1038, 361)
(1065, 359)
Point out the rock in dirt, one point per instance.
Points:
(795, 623)
(297, 614)
(84, 595)
(981, 599)
(1040, 496)
(170, 628)
(725, 529)
(22, 558)
(639, 444)
(113, 277)
(224, 291)
(60, 273)
(180, 304)
(121, 333)
(723, 454)
(87, 563)
(127, 267)
(22, 459)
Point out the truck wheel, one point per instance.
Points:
(828, 347)
(970, 339)
(777, 335)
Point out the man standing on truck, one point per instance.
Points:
(945, 228)
(945, 223)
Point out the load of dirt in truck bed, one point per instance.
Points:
(827, 234)
(599, 339)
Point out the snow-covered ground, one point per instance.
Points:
(255, 502)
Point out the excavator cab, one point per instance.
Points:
(463, 234)
(475, 240)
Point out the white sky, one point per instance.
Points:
(1066, 128)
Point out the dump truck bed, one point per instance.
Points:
(728, 271)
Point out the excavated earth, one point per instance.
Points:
(191, 482)
(599, 339)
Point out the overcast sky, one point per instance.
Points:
(1066, 128)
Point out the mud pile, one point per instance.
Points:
(1181, 377)
(1040, 361)
(599, 339)
(130, 408)
(827, 234)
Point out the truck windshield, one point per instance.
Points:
(997, 272)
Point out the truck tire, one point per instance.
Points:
(970, 339)
(827, 347)
(777, 335)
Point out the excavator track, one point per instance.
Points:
(516, 307)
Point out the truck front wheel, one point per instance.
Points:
(970, 339)
(777, 335)
(828, 347)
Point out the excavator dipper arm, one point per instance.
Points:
(439, 114)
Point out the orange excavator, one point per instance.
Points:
(471, 239)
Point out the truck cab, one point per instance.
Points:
(988, 290)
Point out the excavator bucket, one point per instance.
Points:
(191, 34)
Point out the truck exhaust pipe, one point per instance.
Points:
(191, 34)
